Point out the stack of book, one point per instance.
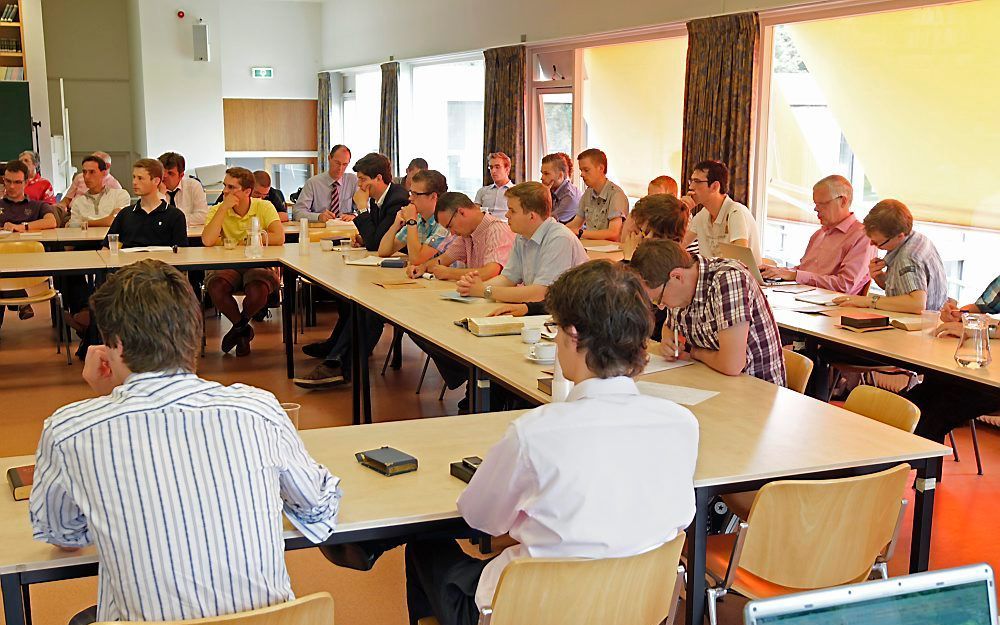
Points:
(9, 13)
(11, 73)
(10, 45)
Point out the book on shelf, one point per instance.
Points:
(20, 479)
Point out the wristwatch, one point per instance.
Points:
(488, 292)
(875, 299)
(411, 222)
(25, 224)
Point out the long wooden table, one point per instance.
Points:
(752, 432)
(909, 349)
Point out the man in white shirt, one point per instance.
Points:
(722, 220)
(78, 187)
(492, 197)
(99, 205)
(181, 191)
(554, 483)
(179, 482)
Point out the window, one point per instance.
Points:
(625, 98)
(361, 108)
(444, 124)
(902, 103)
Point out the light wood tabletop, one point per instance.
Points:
(51, 263)
(917, 348)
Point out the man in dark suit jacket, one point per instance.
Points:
(374, 219)
(385, 198)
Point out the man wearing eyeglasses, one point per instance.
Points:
(724, 220)
(329, 195)
(911, 274)
(719, 314)
(415, 226)
(838, 254)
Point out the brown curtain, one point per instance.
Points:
(503, 115)
(388, 134)
(718, 96)
(324, 104)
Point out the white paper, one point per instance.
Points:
(684, 395)
(148, 248)
(822, 299)
(30, 235)
(613, 247)
(659, 363)
(367, 261)
(793, 288)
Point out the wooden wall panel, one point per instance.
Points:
(272, 125)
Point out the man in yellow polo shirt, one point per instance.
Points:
(231, 219)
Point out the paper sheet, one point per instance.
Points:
(792, 288)
(367, 261)
(684, 395)
(613, 247)
(659, 363)
(822, 299)
(455, 297)
(148, 248)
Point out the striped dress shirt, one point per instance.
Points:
(180, 483)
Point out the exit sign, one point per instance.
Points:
(262, 72)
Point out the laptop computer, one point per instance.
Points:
(745, 256)
(961, 595)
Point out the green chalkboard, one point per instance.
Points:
(15, 119)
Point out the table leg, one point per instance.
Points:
(26, 595)
(356, 341)
(697, 541)
(479, 385)
(13, 599)
(287, 310)
(923, 514)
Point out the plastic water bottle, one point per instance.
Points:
(304, 237)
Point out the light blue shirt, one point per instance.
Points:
(429, 232)
(181, 484)
(493, 200)
(550, 251)
(318, 192)
(916, 266)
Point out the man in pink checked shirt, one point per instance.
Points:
(838, 253)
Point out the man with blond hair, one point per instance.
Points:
(181, 483)
(603, 206)
(838, 254)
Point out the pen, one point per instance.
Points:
(677, 352)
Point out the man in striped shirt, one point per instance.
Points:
(719, 312)
(179, 482)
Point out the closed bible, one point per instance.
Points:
(19, 479)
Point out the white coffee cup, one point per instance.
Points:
(531, 334)
(543, 351)
(326, 245)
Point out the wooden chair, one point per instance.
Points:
(868, 401)
(806, 535)
(38, 290)
(639, 590)
(314, 609)
(798, 368)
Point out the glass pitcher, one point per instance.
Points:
(974, 347)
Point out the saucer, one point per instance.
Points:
(540, 361)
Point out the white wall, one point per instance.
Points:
(34, 53)
(282, 35)
(179, 103)
(359, 33)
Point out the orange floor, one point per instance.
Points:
(36, 381)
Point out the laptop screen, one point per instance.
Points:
(959, 604)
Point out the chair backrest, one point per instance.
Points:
(22, 247)
(314, 609)
(821, 533)
(636, 590)
(798, 368)
(884, 406)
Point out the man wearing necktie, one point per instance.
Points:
(182, 191)
(329, 195)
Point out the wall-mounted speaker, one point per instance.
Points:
(200, 42)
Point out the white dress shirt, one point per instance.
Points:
(181, 484)
(91, 207)
(493, 199)
(191, 200)
(607, 474)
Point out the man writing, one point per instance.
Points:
(165, 471)
(722, 317)
(838, 254)
(329, 195)
(232, 219)
(542, 251)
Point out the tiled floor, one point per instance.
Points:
(36, 381)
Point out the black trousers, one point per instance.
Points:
(441, 581)
(945, 404)
(340, 339)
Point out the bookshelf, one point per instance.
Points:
(12, 60)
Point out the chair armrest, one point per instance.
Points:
(485, 616)
(891, 547)
(734, 557)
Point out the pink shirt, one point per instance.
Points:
(489, 243)
(837, 258)
(79, 187)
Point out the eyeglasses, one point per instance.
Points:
(694, 181)
(447, 226)
(880, 245)
(828, 201)
(659, 300)
(551, 327)
(412, 192)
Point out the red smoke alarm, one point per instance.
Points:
(180, 14)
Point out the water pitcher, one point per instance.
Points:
(974, 347)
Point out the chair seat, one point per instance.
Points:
(37, 298)
(739, 503)
(430, 620)
(720, 548)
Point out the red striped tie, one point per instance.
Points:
(335, 199)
